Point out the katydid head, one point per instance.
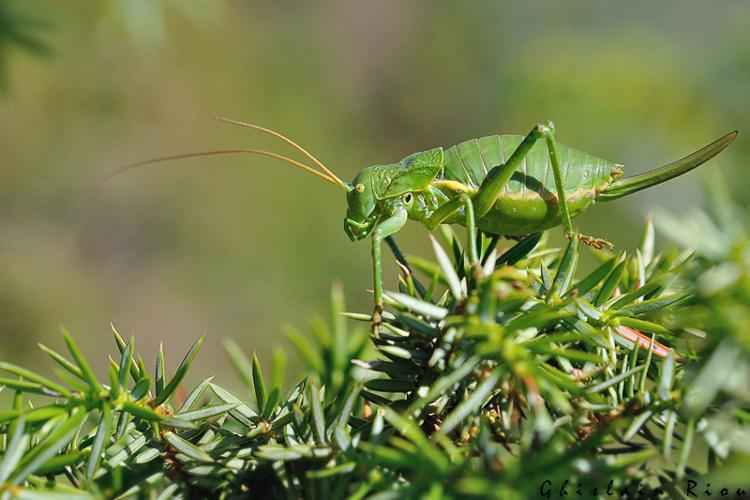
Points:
(385, 182)
(361, 202)
(372, 185)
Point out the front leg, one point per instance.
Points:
(389, 226)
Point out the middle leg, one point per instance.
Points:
(450, 208)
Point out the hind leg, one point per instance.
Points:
(499, 176)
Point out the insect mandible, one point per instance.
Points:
(508, 185)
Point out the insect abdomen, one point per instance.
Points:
(528, 202)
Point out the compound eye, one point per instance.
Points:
(408, 198)
(359, 187)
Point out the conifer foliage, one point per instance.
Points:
(505, 381)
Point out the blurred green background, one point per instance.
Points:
(239, 246)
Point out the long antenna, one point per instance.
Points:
(285, 139)
(260, 152)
